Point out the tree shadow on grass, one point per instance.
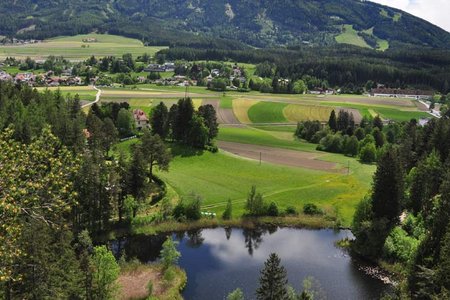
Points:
(185, 151)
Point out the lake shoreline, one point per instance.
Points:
(299, 222)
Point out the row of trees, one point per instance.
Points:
(183, 124)
(341, 135)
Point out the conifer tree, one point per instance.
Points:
(273, 280)
(332, 123)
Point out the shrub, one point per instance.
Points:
(192, 209)
(368, 153)
(290, 210)
(272, 210)
(179, 211)
(311, 209)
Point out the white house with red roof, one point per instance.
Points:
(141, 119)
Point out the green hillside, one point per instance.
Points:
(223, 24)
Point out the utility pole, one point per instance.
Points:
(260, 157)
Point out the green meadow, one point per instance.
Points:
(73, 47)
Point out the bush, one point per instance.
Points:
(179, 211)
(290, 210)
(228, 211)
(400, 246)
(331, 143)
(272, 210)
(311, 209)
(368, 153)
(193, 209)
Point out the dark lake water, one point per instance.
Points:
(219, 260)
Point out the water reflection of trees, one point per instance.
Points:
(253, 237)
(228, 231)
(145, 248)
(195, 238)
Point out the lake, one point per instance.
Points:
(217, 261)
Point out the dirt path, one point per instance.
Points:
(279, 156)
(97, 97)
(224, 115)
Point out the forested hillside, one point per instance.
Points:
(215, 22)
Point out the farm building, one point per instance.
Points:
(401, 93)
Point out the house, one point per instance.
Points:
(5, 76)
(141, 120)
(167, 67)
(401, 93)
(29, 78)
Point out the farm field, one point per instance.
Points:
(225, 175)
(71, 48)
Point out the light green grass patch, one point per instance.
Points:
(250, 135)
(350, 36)
(267, 112)
(72, 47)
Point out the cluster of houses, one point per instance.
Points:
(176, 80)
(14, 41)
(46, 79)
(157, 68)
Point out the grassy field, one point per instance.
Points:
(86, 93)
(350, 36)
(72, 48)
(296, 113)
(219, 177)
(267, 112)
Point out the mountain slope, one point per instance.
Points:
(261, 23)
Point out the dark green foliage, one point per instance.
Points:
(155, 153)
(350, 146)
(306, 130)
(272, 210)
(368, 153)
(193, 209)
(425, 182)
(198, 135)
(331, 143)
(182, 120)
(388, 187)
(208, 113)
(378, 136)
(311, 209)
(156, 23)
(255, 203)
(160, 120)
(273, 280)
(377, 122)
(332, 122)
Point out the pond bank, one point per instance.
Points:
(135, 278)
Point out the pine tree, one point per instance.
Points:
(208, 113)
(273, 280)
(160, 120)
(388, 188)
(332, 123)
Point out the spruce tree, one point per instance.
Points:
(332, 123)
(388, 187)
(160, 120)
(273, 280)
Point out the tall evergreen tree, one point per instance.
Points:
(155, 152)
(160, 120)
(273, 280)
(208, 113)
(332, 122)
(388, 187)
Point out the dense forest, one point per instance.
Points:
(221, 24)
(63, 185)
(405, 219)
(344, 66)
